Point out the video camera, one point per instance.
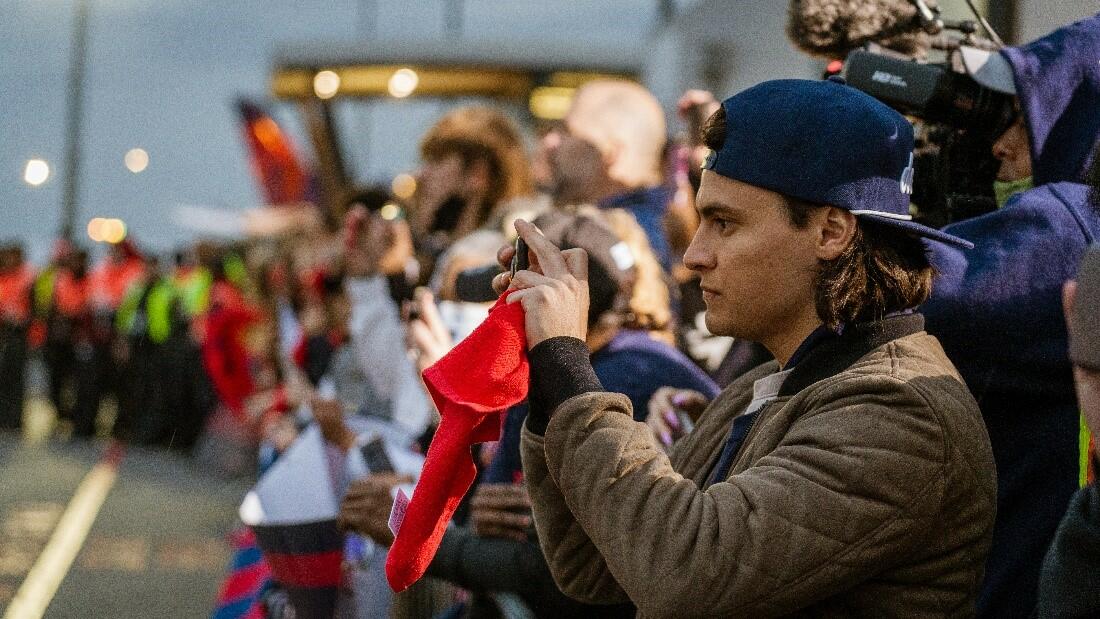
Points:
(956, 119)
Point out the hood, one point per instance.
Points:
(1058, 84)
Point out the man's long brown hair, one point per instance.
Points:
(883, 270)
(483, 133)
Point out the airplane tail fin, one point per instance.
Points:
(276, 166)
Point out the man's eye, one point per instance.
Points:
(723, 225)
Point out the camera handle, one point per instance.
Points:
(930, 21)
(928, 17)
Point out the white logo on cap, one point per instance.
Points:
(906, 181)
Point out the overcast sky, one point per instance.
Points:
(162, 76)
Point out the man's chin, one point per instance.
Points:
(718, 326)
(727, 326)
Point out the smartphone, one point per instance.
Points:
(412, 310)
(1084, 349)
(521, 260)
(375, 456)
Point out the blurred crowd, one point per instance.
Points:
(156, 349)
(231, 351)
(228, 351)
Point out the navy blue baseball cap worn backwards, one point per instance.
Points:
(826, 143)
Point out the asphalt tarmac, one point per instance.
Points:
(94, 529)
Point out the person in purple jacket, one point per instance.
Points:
(997, 308)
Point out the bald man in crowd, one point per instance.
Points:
(616, 129)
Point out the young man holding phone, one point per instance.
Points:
(853, 475)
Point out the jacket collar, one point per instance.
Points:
(834, 355)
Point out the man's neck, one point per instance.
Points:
(783, 345)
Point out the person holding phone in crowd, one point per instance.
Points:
(850, 476)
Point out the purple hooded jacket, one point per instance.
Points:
(997, 310)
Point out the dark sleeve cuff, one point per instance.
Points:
(560, 370)
(447, 563)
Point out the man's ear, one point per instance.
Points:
(837, 228)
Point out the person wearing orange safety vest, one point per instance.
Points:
(71, 346)
(122, 269)
(112, 278)
(16, 277)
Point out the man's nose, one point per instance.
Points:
(698, 257)
(1007, 143)
(1000, 149)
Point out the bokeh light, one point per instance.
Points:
(403, 82)
(390, 211)
(115, 231)
(326, 84)
(95, 229)
(103, 230)
(36, 172)
(136, 160)
(403, 186)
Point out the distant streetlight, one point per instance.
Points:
(136, 160)
(114, 231)
(95, 229)
(36, 172)
(326, 84)
(403, 82)
(103, 230)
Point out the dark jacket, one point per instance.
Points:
(1070, 582)
(865, 489)
(997, 309)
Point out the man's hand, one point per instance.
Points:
(501, 510)
(1087, 381)
(374, 245)
(366, 507)
(554, 291)
(667, 409)
(330, 417)
(281, 432)
(695, 107)
(426, 333)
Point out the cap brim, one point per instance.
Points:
(913, 227)
(990, 69)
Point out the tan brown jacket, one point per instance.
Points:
(866, 489)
